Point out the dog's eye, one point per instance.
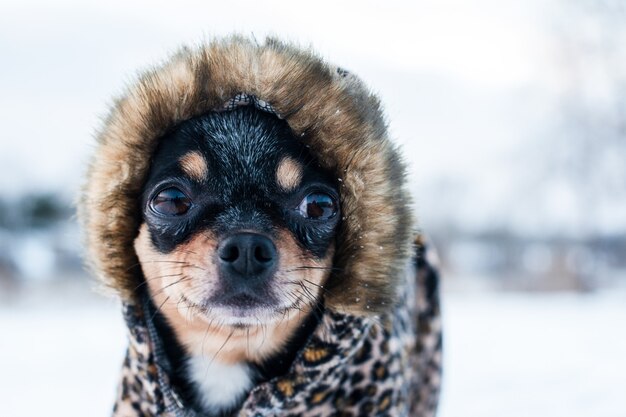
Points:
(171, 202)
(318, 206)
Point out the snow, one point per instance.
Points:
(542, 355)
(505, 354)
(60, 360)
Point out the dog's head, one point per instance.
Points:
(239, 220)
(325, 107)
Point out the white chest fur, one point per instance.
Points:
(219, 385)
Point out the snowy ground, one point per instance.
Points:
(506, 355)
(540, 355)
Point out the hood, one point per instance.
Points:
(328, 108)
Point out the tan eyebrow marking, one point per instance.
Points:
(289, 174)
(194, 165)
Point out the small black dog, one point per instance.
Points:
(236, 245)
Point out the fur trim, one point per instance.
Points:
(331, 110)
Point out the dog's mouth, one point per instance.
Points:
(242, 309)
(242, 303)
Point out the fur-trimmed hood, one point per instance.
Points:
(328, 108)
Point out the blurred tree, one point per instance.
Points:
(588, 150)
(4, 213)
(43, 210)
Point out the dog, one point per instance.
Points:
(246, 205)
(237, 242)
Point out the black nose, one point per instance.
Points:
(247, 255)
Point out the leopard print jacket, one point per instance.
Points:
(351, 366)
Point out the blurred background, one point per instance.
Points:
(512, 116)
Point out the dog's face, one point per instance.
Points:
(239, 221)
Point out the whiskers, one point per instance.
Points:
(306, 298)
